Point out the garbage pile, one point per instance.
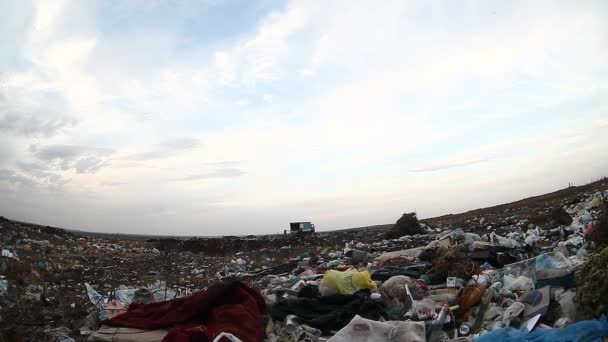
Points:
(513, 283)
(531, 270)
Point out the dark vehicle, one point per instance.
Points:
(301, 228)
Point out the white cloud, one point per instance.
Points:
(260, 57)
(227, 68)
(46, 14)
(200, 78)
(65, 61)
(269, 45)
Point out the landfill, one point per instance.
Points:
(535, 269)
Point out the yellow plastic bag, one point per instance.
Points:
(347, 282)
(594, 203)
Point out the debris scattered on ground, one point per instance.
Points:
(535, 269)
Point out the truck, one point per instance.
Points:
(301, 228)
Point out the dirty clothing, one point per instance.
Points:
(329, 312)
(387, 272)
(226, 307)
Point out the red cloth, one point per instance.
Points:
(589, 231)
(227, 307)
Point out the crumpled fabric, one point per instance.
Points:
(387, 272)
(363, 330)
(231, 308)
(329, 312)
(589, 230)
(590, 331)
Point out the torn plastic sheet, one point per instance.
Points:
(107, 308)
(526, 268)
(159, 290)
(9, 254)
(3, 286)
(124, 296)
(545, 261)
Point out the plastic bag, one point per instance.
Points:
(525, 267)
(585, 217)
(347, 282)
(471, 237)
(546, 261)
(595, 202)
(479, 279)
(361, 329)
(514, 310)
(505, 242)
(582, 254)
(567, 303)
(574, 241)
(531, 238)
(521, 283)
(395, 288)
(3, 287)
(593, 330)
(467, 238)
(424, 308)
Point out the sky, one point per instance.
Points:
(240, 116)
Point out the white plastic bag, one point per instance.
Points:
(521, 283)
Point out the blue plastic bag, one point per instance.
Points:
(588, 331)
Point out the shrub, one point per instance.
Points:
(406, 225)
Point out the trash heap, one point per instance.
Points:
(517, 282)
(534, 271)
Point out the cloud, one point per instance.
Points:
(165, 149)
(112, 183)
(15, 179)
(226, 172)
(445, 166)
(31, 179)
(226, 67)
(259, 58)
(27, 108)
(34, 125)
(82, 159)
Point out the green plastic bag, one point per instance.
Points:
(347, 282)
